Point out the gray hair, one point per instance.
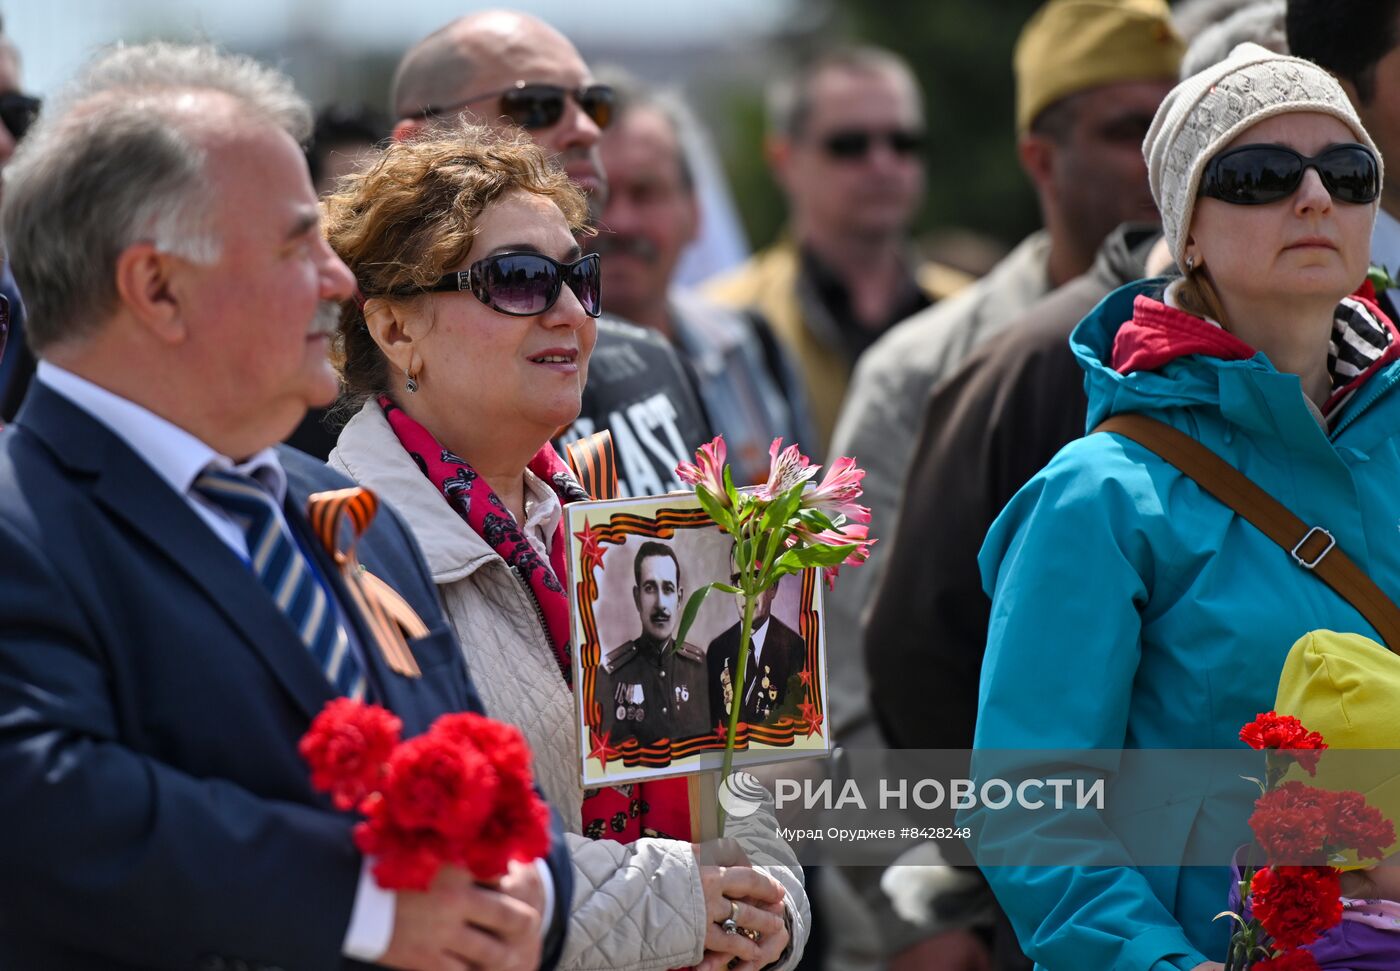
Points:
(789, 99)
(115, 160)
(1261, 22)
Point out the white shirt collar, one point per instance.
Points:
(759, 635)
(1385, 242)
(542, 511)
(173, 453)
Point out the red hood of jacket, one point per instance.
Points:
(1158, 334)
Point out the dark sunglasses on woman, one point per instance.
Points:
(526, 284)
(856, 143)
(1254, 175)
(18, 112)
(537, 106)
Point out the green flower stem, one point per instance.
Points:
(745, 636)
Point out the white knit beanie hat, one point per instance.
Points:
(1205, 112)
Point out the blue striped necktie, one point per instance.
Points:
(288, 577)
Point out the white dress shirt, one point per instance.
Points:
(542, 514)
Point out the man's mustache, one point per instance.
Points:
(660, 616)
(628, 245)
(327, 319)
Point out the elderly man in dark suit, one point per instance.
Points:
(169, 624)
(777, 654)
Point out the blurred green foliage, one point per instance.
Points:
(961, 52)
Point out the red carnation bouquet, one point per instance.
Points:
(461, 793)
(1296, 896)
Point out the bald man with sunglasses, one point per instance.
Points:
(510, 70)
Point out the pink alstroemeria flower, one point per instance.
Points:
(837, 494)
(788, 467)
(709, 473)
(857, 534)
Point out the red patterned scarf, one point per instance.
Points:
(623, 813)
(479, 506)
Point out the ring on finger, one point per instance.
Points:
(729, 925)
(751, 934)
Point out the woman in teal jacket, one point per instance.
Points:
(1130, 608)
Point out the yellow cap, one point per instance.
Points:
(1071, 45)
(1345, 686)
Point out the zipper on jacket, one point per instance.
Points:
(544, 628)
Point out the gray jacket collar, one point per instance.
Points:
(369, 452)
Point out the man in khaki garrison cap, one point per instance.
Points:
(1089, 77)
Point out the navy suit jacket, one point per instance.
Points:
(784, 654)
(154, 811)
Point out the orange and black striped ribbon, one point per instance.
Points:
(594, 464)
(339, 519)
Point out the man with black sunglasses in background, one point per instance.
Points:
(506, 69)
(17, 112)
(844, 138)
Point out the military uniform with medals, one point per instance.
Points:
(772, 681)
(651, 691)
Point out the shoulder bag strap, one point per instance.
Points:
(1312, 547)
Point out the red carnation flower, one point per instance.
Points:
(1295, 904)
(440, 784)
(1273, 731)
(404, 859)
(1354, 824)
(1294, 960)
(347, 746)
(502, 744)
(1290, 823)
(463, 793)
(518, 827)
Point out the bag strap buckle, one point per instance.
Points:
(1312, 564)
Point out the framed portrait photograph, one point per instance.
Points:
(650, 707)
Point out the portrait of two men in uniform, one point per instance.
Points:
(642, 692)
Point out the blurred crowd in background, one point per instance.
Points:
(826, 211)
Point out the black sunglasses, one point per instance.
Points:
(536, 106)
(526, 284)
(18, 112)
(1254, 175)
(856, 143)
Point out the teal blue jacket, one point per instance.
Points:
(1132, 610)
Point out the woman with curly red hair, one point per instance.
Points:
(465, 353)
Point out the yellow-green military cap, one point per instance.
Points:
(1072, 45)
